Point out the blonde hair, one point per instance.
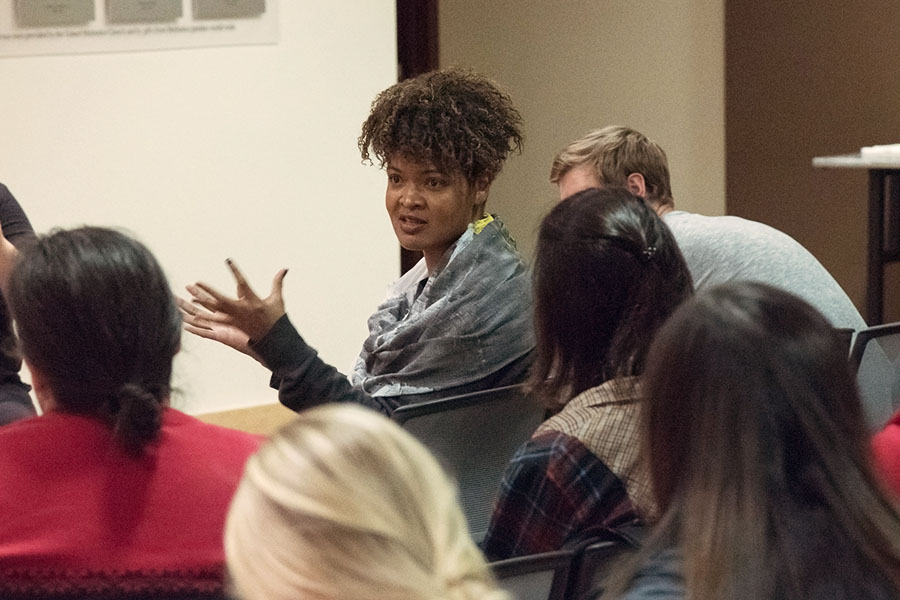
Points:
(342, 504)
(615, 152)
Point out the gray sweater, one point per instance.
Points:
(720, 249)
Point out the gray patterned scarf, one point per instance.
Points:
(472, 318)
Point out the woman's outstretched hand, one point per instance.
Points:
(232, 321)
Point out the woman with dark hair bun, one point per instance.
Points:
(606, 276)
(110, 488)
(759, 459)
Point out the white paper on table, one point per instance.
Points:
(886, 149)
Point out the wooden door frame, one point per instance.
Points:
(417, 53)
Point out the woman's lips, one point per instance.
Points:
(410, 225)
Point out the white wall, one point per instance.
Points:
(247, 151)
(574, 65)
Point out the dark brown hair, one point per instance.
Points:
(758, 453)
(458, 120)
(607, 274)
(95, 315)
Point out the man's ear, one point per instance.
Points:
(636, 185)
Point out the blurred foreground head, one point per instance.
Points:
(343, 504)
(759, 453)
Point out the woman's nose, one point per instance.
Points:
(410, 197)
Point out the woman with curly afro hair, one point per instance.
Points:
(457, 322)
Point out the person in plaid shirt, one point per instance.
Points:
(607, 274)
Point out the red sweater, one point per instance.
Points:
(74, 507)
(886, 451)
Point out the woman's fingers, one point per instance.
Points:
(212, 326)
(189, 312)
(193, 315)
(244, 289)
(225, 318)
(187, 309)
(209, 298)
(213, 300)
(278, 283)
(204, 332)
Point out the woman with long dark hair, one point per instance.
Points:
(606, 276)
(759, 459)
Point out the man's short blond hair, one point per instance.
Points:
(615, 152)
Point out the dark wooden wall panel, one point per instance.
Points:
(802, 80)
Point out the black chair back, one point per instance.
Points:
(474, 436)
(846, 334)
(875, 356)
(537, 576)
(597, 556)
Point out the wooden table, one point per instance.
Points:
(884, 220)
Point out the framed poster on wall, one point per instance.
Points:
(53, 13)
(29, 27)
(228, 9)
(143, 11)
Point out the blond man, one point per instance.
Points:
(716, 249)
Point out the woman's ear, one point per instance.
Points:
(482, 187)
(42, 390)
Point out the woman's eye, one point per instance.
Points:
(435, 183)
(394, 179)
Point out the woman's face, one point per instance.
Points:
(430, 209)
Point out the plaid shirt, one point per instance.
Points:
(579, 471)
